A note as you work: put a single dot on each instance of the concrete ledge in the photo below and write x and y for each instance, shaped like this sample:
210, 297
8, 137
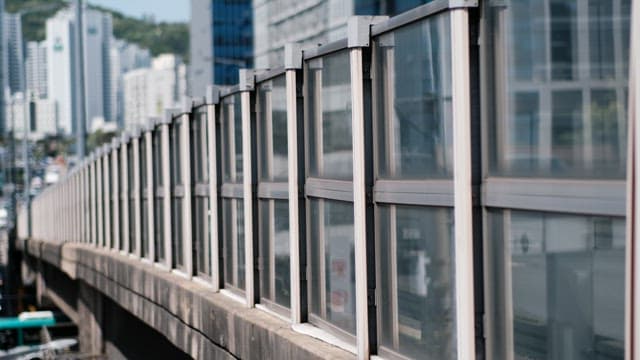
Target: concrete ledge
200, 322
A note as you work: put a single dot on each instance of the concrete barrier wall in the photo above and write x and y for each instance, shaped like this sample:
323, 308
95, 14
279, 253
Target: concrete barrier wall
200, 322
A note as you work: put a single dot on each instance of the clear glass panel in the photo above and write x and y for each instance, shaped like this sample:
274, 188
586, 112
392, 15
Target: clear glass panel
144, 214
558, 78
266, 249
158, 205
203, 249
159, 229
228, 239
558, 285
132, 206
174, 150
413, 101
328, 110
274, 251
176, 230
198, 143
233, 242
132, 227
273, 130
332, 263
157, 158
123, 199
417, 281
240, 244
232, 138
144, 210
113, 198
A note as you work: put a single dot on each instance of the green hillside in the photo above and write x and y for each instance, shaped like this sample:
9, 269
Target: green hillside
158, 37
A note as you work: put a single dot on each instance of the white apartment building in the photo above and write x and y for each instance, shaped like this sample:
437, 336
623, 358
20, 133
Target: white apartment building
46, 122
13, 56
125, 57
148, 91
308, 22
42, 120
62, 69
36, 68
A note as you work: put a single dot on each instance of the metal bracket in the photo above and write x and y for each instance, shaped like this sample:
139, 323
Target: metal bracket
213, 94
292, 56
247, 79
169, 114
453, 4
359, 30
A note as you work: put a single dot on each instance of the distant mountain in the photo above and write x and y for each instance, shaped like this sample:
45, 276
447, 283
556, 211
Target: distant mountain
160, 37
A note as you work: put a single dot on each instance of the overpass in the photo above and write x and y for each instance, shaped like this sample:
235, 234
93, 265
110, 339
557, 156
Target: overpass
429, 186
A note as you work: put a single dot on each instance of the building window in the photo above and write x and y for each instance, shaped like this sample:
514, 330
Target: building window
413, 144
275, 280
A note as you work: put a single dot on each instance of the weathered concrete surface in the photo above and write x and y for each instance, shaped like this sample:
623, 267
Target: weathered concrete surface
200, 322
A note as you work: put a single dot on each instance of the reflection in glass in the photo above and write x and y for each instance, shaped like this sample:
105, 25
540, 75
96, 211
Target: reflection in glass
328, 110
272, 117
558, 79
132, 193
176, 230
203, 251
231, 114
144, 203
274, 251
200, 176
122, 178
332, 262
158, 204
413, 92
416, 281
113, 198
233, 242
176, 201
558, 285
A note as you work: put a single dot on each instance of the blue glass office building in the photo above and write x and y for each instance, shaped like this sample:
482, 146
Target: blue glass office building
221, 33
385, 7
232, 39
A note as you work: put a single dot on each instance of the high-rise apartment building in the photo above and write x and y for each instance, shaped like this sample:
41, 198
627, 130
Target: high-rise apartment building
98, 35
221, 42
310, 22
62, 68
14, 55
149, 91
36, 68
125, 57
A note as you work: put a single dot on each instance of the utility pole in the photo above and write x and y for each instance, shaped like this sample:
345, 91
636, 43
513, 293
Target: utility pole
80, 92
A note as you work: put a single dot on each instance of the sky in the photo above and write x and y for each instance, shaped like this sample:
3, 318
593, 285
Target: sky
162, 10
